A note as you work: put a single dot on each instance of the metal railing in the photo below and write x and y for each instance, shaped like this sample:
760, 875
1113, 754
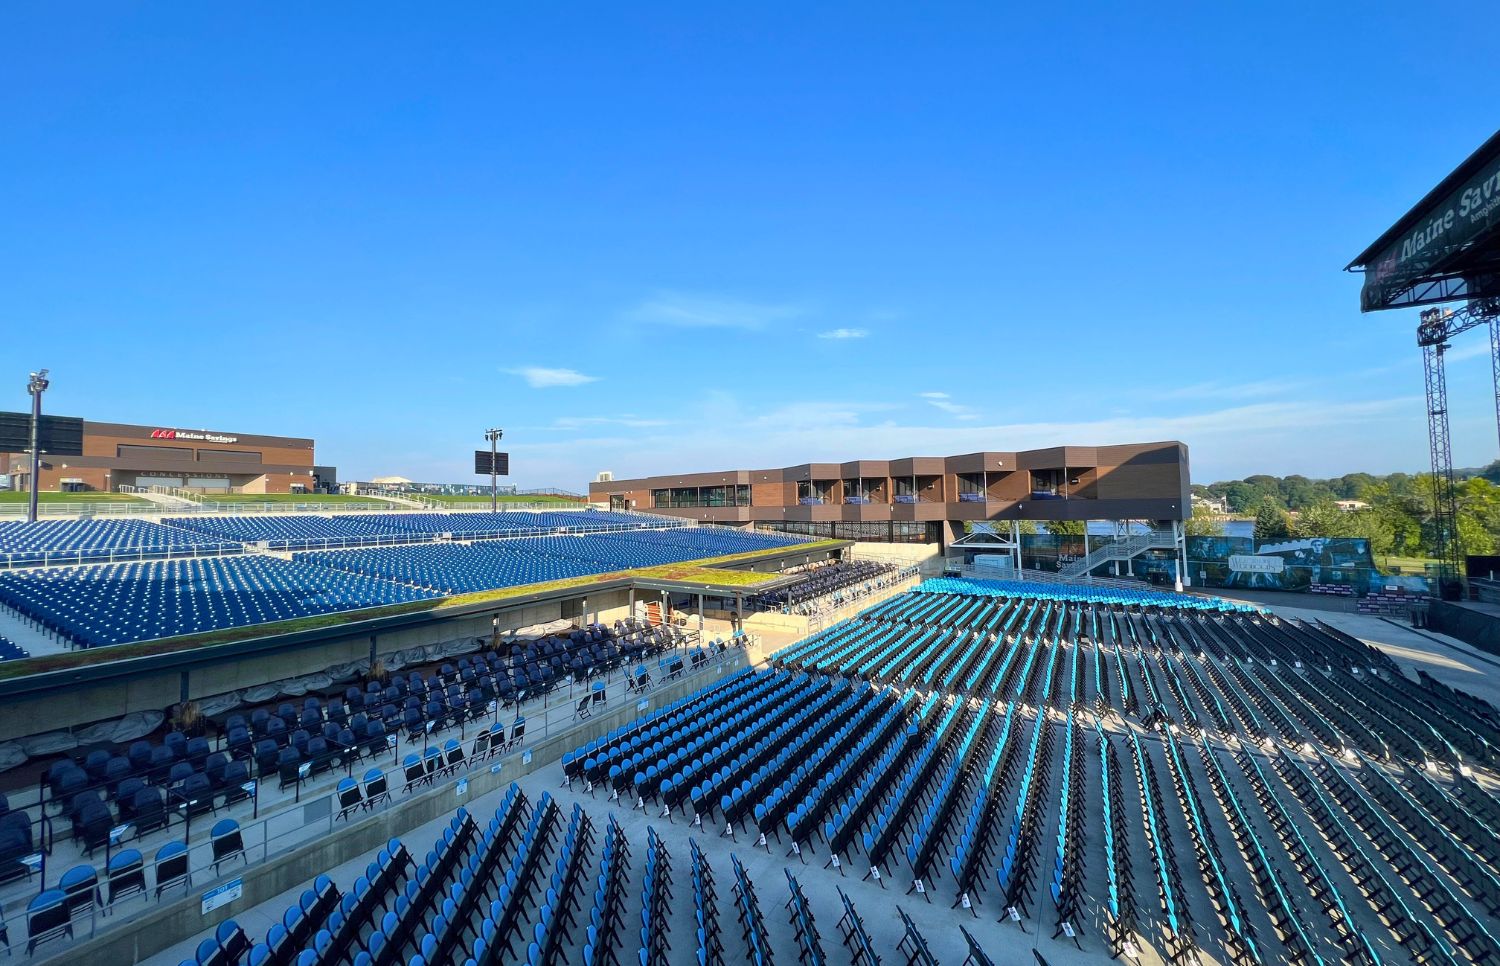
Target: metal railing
1121, 548
69, 558
300, 816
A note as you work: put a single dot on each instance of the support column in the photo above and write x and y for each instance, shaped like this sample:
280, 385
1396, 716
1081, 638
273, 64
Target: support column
700, 618
1187, 577
1495, 363
1088, 574
1015, 553
1176, 557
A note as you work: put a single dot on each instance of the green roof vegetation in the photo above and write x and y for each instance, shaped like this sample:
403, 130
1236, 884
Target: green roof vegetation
288, 498
465, 499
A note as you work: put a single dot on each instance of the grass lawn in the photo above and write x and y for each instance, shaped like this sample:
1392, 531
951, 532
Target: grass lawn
502, 498
286, 498
91, 496
1408, 565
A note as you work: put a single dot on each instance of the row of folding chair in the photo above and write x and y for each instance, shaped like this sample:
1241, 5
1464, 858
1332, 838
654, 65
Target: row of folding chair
1067, 864
805, 803
656, 899
504, 924
1120, 922
856, 937
904, 796
1239, 936
710, 948
1018, 855
913, 945
1413, 932
974, 844
809, 944
1299, 945
1425, 882
607, 914
944, 794
752, 924
423, 915
553, 929
1177, 931
1320, 886
858, 798
372, 894
818, 762
610, 753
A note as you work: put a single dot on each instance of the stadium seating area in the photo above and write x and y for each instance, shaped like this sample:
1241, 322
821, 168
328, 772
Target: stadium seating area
89, 606
456, 568
907, 743
11, 651
1216, 784
80, 541
286, 532
1118, 596
524, 885
469, 526
117, 603
154, 784
823, 586
488, 564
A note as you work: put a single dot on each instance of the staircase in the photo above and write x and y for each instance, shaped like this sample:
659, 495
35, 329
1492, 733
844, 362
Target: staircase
1122, 549
404, 502
165, 500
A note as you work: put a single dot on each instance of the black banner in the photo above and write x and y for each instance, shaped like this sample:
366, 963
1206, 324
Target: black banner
1469, 211
482, 463
58, 435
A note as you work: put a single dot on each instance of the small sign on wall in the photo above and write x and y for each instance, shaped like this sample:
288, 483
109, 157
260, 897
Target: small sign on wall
223, 895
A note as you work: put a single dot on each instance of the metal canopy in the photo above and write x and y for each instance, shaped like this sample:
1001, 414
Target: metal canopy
1446, 247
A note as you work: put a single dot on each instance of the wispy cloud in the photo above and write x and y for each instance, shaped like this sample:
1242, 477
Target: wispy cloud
844, 334
545, 377
628, 421
1258, 389
701, 312
943, 401
1473, 350
1315, 435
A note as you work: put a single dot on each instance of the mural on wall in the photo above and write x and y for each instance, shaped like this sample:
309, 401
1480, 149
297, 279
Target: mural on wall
1238, 562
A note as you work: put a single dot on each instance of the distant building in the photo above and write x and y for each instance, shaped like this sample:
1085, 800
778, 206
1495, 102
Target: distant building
121, 454
1349, 506
924, 499
1211, 504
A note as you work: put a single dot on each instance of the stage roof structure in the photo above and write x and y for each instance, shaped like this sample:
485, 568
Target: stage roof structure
1446, 247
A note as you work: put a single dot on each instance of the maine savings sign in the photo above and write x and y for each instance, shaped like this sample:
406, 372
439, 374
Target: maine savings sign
1469, 211
185, 434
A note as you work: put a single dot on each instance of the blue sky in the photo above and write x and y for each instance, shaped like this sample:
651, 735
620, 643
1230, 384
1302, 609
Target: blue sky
676, 237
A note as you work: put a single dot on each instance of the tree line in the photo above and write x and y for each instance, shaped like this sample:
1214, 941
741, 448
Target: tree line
1398, 519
